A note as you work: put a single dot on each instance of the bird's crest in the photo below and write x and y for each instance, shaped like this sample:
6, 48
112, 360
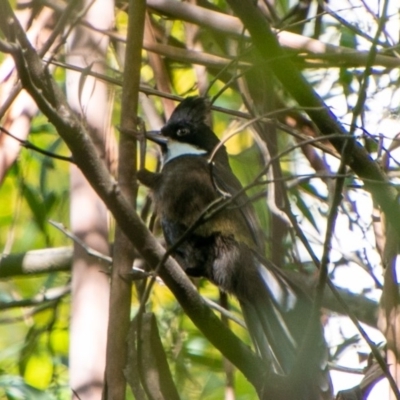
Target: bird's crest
193, 109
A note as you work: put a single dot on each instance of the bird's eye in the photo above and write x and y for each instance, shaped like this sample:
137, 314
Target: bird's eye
182, 131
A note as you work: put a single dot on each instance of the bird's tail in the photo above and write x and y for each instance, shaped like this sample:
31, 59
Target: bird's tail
277, 315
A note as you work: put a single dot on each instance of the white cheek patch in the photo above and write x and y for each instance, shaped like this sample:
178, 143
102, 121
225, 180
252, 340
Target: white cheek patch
177, 149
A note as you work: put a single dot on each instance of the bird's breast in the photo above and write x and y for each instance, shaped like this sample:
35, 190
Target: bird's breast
185, 189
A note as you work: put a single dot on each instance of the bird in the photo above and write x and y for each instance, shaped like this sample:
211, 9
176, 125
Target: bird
226, 246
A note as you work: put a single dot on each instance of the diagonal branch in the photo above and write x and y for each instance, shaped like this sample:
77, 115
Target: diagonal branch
50, 99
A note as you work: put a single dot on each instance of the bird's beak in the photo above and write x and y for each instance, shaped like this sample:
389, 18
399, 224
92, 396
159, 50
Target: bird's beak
157, 137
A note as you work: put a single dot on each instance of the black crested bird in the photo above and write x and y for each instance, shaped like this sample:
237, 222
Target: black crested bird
227, 248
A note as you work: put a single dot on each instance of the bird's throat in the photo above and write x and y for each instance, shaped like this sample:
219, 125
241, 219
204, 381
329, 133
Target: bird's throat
177, 149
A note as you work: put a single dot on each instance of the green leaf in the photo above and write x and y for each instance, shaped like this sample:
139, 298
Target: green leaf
305, 209
348, 38
15, 388
36, 205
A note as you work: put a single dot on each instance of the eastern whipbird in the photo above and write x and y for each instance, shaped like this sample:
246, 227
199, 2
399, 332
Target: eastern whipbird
227, 248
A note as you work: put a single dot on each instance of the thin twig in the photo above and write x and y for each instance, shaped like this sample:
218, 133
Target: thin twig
30, 312
28, 145
226, 313
53, 294
374, 349
372, 54
330, 229
76, 239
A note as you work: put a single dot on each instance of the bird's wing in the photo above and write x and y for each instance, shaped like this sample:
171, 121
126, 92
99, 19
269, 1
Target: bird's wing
277, 314
228, 185
280, 289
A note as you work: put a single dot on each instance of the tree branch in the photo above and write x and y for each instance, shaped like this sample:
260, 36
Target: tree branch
121, 288
38, 82
231, 25
33, 262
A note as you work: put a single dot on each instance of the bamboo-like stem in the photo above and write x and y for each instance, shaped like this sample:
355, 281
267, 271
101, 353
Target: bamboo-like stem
121, 287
